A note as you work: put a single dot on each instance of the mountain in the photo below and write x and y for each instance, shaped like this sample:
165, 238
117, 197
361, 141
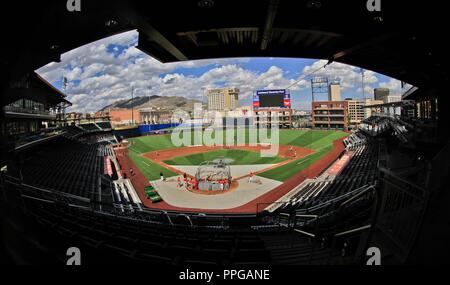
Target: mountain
155, 101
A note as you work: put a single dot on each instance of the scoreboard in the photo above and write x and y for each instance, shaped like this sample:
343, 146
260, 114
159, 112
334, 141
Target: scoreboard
280, 98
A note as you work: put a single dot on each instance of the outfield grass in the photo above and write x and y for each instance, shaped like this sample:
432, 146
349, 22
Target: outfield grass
303, 138
286, 171
150, 170
319, 140
150, 143
240, 157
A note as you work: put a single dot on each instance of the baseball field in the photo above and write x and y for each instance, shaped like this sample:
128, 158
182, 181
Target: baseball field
298, 150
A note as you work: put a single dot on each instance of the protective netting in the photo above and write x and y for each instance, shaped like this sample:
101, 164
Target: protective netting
213, 171
213, 175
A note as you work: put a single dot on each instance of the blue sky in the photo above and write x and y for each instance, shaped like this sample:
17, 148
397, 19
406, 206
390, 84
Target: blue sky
106, 70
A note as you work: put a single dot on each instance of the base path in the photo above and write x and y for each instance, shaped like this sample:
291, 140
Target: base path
283, 151
290, 153
245, 193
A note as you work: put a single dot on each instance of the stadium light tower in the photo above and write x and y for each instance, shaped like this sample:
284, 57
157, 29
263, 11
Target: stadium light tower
319, 85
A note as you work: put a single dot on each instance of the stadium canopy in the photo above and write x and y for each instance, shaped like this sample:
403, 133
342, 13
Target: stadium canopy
403, 103
397, 41
34, 87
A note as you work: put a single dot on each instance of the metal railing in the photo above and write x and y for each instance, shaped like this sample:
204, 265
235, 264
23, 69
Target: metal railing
438, 169
401, 212
356, 192
14, 109
22, 191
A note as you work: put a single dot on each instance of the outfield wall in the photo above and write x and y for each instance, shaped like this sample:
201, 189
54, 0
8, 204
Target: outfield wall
143, 129
126, 133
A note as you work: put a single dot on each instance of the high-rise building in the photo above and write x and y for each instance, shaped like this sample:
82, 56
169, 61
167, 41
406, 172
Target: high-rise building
223, 99
356, 112
381, 93
334, 91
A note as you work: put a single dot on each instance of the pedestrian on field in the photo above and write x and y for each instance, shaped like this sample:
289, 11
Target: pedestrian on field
195, 184
250, 177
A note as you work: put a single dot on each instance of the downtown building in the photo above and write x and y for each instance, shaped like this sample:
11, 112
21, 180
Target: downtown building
223, 99
331, 114
357, 112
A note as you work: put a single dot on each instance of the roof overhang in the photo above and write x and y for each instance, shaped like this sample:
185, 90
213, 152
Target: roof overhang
394, 42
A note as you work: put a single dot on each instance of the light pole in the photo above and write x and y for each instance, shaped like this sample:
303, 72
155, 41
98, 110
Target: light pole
149, 105
363, 86
132, 103
204, 97
132, 106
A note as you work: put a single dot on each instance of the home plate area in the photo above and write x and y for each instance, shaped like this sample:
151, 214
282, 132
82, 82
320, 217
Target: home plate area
218, 165
244, 193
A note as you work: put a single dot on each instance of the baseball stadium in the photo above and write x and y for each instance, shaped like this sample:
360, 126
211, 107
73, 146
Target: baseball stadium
343, 182
301, 155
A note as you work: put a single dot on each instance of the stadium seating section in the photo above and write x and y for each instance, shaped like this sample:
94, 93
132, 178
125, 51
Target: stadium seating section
67, 166
361, 171
118, 225
378, 125
90, 127
104, 125
72, 132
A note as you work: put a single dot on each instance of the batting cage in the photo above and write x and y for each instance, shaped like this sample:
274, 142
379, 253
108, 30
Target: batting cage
213, 175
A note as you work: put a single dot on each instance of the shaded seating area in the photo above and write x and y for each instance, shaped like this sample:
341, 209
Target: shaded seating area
125, 239
72, 132
104, 125
381, 124
68, 166
90, 127
354, 140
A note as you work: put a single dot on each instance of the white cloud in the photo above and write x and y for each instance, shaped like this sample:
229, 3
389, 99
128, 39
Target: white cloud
105, 71
104, 78
349, 76
395, 86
